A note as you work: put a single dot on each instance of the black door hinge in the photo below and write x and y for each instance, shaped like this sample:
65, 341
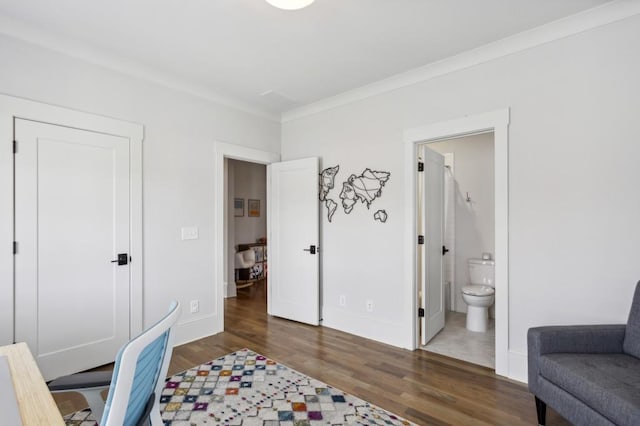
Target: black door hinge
15, 247
15, 146
420, 239
420, 166
420, 312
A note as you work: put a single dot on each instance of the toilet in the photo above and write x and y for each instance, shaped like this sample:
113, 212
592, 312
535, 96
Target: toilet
480, 294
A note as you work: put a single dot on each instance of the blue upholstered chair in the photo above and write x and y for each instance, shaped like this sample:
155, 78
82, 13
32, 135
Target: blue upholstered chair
136, 382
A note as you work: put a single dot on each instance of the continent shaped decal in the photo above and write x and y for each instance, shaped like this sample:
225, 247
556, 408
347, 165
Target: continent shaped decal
365, 187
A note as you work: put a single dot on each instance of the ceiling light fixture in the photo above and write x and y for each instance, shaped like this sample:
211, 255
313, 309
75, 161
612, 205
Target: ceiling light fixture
290, 4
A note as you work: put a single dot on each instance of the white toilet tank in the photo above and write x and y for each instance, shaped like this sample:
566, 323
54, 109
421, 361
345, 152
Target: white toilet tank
482, 272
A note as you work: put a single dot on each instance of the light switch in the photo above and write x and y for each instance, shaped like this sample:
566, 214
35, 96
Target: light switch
189, 233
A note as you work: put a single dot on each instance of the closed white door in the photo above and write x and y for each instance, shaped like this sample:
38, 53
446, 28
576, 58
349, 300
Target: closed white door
71, 222
293, 222
433, 226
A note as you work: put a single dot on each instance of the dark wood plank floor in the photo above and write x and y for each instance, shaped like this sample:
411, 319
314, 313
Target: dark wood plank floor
426, 388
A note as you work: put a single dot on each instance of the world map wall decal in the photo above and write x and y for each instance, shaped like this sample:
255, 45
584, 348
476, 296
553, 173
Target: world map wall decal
365, 187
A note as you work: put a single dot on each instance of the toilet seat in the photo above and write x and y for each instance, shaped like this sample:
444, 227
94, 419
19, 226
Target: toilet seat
478, 290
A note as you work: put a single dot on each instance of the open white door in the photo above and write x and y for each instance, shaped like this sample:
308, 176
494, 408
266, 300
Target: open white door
432, 224
292, 243
71, 221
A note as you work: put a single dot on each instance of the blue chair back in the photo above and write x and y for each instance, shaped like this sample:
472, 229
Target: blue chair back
139, 375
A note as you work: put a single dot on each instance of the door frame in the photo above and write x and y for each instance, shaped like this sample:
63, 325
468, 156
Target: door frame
498, 123
224, 150
12, 108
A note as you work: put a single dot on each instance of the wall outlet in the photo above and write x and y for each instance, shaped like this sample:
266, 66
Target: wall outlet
369, 305
342, 300
195, 306
189, 233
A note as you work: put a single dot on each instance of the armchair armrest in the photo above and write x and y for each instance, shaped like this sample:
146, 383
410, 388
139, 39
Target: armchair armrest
94, 379
571, 339
89, 384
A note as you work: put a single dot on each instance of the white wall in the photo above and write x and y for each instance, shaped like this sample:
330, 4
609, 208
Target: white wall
474, 220
178, 166
573, 177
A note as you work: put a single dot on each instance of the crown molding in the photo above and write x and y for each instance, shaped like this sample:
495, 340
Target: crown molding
565, 27
67, 46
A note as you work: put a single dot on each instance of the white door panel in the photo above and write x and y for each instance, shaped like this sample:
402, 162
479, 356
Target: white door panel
433, 225
72, 219
293, 227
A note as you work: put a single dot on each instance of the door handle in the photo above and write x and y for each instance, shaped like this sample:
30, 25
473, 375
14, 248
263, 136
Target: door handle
123, 259
444, 250
311, 249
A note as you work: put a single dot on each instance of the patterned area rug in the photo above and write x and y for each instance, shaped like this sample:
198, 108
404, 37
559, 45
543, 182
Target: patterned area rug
248, 389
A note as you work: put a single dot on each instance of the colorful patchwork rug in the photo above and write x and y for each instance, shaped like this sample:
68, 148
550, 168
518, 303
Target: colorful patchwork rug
249, 389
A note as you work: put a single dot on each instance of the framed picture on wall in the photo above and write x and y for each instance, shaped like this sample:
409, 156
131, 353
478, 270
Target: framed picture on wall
253, 207
238, 207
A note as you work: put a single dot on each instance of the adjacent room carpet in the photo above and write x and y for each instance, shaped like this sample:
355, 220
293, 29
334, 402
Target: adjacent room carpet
246, 388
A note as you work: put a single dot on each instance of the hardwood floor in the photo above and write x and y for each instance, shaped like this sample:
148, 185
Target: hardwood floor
426, 388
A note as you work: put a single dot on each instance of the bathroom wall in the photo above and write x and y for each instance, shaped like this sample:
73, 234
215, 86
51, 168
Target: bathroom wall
473, 167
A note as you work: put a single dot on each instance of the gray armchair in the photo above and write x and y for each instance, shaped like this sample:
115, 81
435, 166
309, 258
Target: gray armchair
589, 374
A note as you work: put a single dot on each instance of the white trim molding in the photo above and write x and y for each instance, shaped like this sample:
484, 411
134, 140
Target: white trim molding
565, 27
498, 123
13, 107
224, 150
70, 47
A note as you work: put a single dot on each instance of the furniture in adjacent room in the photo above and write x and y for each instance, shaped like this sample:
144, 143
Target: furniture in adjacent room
137, 380
34, 401
250, 264
589, 374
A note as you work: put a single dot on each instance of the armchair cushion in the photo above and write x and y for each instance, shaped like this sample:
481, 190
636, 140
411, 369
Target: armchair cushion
632, 335
608, 383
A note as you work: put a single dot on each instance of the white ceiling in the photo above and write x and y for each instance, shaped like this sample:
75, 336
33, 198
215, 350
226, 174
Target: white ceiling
238, 50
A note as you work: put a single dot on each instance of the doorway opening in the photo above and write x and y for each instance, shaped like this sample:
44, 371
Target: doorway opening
247, 232
292, 234
467, 231
224, 212
506, 363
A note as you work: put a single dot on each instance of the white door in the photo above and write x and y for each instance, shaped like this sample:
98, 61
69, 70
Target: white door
71, 221
293, 222
431, 255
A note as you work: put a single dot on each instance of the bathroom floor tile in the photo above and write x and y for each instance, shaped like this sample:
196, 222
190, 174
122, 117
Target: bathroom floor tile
456, 341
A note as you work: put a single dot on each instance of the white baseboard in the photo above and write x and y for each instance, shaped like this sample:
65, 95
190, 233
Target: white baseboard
189, 331
368, 327
518, 366
230, 290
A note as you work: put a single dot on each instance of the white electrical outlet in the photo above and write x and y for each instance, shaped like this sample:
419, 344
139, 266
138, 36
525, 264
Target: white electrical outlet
369, 305
342, 300
195, 306
189, 233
